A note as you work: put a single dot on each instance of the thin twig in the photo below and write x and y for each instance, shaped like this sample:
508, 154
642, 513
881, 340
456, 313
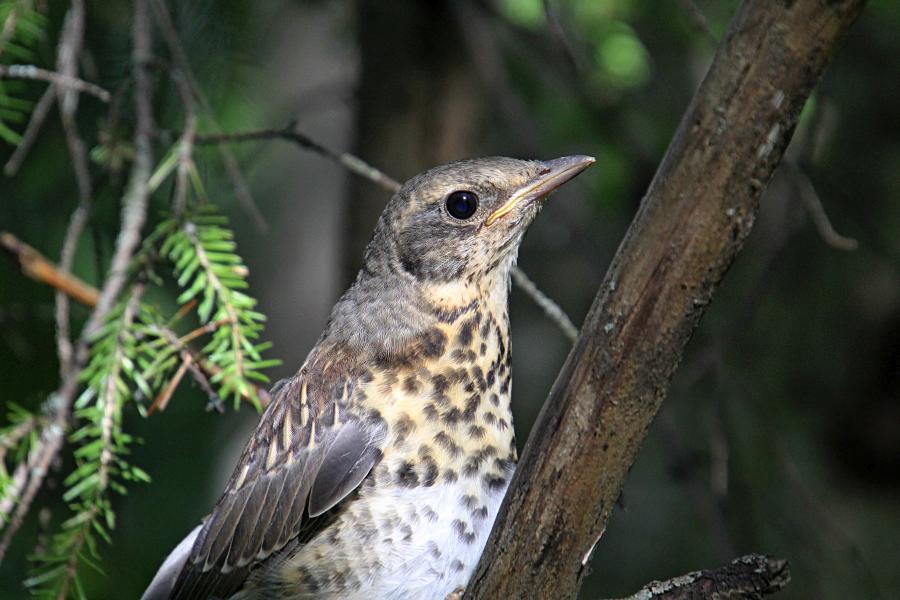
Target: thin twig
185, 145
37, 267
209, 370
134, 203
41, 269
170, 35
352, 163
162, 399
38, 116
77, 222
67, 63
486, 56
816, 210
68, 54
559, 32
202, 330
553, 311
58, 79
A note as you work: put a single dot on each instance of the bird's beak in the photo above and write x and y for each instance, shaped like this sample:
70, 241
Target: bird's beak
553, 174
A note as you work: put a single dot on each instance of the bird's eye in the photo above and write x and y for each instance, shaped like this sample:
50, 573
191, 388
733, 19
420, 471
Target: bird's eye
462, 205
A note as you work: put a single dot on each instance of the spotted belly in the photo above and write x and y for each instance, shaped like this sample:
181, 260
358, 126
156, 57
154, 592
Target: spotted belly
393, 543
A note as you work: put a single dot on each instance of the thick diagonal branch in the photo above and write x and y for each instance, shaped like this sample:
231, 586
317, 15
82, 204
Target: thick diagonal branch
691, 224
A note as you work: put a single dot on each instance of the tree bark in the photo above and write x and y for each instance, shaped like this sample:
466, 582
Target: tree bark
751, 576
692, 222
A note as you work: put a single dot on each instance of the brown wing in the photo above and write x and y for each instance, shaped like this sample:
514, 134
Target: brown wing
306, 455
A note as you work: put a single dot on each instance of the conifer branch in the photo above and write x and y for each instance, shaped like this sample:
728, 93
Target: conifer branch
100, 458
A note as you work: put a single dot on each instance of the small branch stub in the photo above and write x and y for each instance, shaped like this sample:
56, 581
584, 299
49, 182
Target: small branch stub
748, 577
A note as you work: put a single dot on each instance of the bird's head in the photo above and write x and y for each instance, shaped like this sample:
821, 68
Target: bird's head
461, 221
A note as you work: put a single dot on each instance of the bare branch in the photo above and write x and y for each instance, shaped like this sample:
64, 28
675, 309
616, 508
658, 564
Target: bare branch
185, 145
550, 308
691, 224
751, 576
134, 203
60, 80
170, 35
816, 210
206, 370
67, 62
559, 33
352, 163
77, 222
38, 116
37, 267
162, 399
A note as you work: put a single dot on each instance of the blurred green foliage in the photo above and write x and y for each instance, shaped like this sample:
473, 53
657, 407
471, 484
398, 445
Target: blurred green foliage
782, 430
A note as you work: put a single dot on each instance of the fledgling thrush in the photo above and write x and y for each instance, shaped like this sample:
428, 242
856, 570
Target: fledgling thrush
377, 470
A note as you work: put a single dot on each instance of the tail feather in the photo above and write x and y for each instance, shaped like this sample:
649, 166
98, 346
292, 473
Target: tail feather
164, 580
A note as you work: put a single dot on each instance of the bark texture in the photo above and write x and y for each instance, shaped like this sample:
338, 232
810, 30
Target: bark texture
692, 222
750, 577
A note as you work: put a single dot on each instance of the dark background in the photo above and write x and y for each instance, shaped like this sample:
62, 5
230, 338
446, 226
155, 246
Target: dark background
781, 433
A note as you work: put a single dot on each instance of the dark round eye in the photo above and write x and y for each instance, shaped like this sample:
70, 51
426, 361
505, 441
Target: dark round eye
462, 205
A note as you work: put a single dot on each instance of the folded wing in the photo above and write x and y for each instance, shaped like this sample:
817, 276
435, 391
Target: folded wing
307, 454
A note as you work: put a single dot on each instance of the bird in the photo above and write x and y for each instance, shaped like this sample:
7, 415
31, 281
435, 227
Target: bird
378, 469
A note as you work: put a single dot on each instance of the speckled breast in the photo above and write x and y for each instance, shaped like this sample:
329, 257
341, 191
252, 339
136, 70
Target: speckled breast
420, 520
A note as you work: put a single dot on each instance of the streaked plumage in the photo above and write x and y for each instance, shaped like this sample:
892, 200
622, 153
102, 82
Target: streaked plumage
378, 469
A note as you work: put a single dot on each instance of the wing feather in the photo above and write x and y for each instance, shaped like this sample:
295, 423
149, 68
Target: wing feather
289, 474
264, 520
345, 465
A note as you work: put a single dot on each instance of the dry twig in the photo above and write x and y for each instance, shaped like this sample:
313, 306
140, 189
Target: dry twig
134, 202
553, 311
185, 145
67, 63
352, 163
60, 80
39, 268
38, 116
170, 35
813, 204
